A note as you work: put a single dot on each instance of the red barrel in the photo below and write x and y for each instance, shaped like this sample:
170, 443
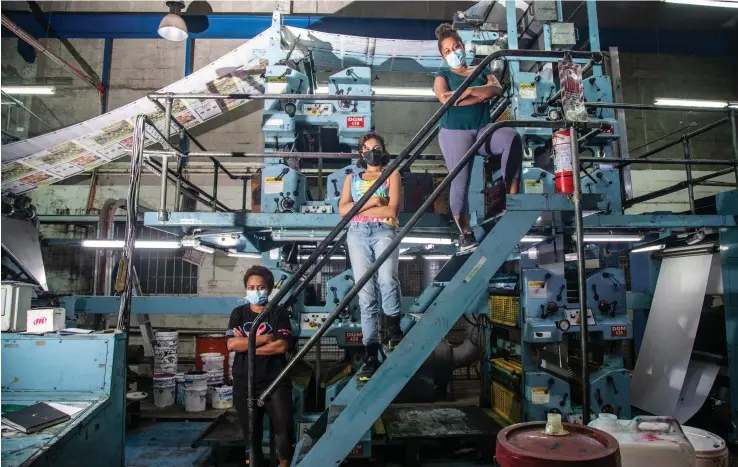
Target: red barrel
563, 165
211, 343
526, 445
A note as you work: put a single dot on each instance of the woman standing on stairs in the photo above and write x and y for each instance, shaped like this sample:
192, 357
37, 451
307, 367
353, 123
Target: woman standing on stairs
370, 232
464, 122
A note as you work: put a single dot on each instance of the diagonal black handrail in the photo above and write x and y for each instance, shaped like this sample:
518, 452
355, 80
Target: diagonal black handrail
428, 126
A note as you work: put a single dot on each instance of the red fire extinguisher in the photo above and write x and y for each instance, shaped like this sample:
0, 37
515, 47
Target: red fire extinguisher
564, 173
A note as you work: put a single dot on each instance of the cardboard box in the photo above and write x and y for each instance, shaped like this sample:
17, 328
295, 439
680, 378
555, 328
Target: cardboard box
45, 319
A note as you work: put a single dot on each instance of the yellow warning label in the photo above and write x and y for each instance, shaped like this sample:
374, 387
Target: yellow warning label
538, 284
527, 91
276, 79
540, 396
273, 185
533, 186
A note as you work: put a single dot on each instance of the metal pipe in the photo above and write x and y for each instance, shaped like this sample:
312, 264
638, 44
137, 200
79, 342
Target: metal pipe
421, 147
243, 194
581, 275
154, 165
717, 184
393, 165
688, 170
215, 188
359, 283
734, 136
30, 40
614, 160
180, 126
663, 137
592, 133
260, 155
689, 135
614, 105
177, 192
674, 188
315, 97
163, 213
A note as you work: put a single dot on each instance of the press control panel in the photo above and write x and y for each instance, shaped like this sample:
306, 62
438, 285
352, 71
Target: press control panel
312, 321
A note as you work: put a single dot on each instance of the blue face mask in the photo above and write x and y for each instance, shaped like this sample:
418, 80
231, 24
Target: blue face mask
257, 297
456, 58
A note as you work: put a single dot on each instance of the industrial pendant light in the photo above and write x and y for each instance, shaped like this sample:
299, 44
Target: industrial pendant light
172, 26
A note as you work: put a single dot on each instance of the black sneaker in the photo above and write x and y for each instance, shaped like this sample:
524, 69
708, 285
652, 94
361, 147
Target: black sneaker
468, 242
371, 364
394, 331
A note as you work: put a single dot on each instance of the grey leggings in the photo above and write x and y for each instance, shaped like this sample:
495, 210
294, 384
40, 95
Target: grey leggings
504, 142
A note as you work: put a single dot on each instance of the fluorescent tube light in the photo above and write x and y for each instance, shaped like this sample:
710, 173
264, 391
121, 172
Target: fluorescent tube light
142, 244
594, 238
28, 90
532, 239
427, 241
333, 258
648, 248
733, 105
718, 3
158, 244
437, 257
669, 102
406, 257
239, 254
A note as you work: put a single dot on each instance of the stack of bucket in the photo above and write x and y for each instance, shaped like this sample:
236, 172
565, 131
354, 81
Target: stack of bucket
165, 352
220, 395
195, 391
164, 387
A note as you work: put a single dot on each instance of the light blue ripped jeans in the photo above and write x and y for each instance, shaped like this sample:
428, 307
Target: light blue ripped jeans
366, 241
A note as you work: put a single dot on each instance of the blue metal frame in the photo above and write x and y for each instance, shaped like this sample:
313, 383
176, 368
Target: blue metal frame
105, 80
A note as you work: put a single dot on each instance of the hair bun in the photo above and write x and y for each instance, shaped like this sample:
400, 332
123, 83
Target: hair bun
444, 28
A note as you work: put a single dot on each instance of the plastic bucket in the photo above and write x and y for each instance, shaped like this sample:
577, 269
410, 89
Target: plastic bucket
221, 397
165, 351
711, 450
164, 386
209, 343
213, 362
215, 377
195, 399
196, 380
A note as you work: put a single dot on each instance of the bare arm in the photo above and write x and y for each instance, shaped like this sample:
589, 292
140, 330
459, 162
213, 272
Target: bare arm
476, 94
346, 202
440, 88
239, 343
277, 347
392, 208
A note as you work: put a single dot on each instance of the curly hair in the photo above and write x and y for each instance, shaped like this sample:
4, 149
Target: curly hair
367, 136
261, 271
443, 32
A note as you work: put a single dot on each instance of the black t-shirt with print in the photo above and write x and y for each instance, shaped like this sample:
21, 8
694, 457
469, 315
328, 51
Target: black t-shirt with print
267, 366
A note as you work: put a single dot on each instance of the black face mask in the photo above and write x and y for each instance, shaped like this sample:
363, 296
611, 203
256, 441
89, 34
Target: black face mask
373, 157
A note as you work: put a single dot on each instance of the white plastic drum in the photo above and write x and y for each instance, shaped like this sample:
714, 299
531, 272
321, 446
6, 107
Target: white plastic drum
164, 386
195, 399
710, 448
222, 397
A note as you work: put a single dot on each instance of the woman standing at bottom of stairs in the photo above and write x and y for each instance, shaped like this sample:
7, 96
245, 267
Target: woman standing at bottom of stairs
370, 232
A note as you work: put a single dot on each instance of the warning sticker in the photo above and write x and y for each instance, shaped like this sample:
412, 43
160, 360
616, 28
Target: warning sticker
273, 185
533, 186
527, 91
540, 396
537, 289
354, 122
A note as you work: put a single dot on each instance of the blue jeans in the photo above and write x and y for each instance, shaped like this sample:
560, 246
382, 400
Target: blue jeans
366, 241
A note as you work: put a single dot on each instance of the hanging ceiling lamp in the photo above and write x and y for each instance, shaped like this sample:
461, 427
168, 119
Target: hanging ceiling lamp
172, 26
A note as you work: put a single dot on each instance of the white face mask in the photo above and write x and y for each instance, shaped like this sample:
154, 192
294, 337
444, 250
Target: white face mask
456, 58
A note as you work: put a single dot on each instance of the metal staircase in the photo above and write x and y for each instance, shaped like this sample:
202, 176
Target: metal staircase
462, 292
